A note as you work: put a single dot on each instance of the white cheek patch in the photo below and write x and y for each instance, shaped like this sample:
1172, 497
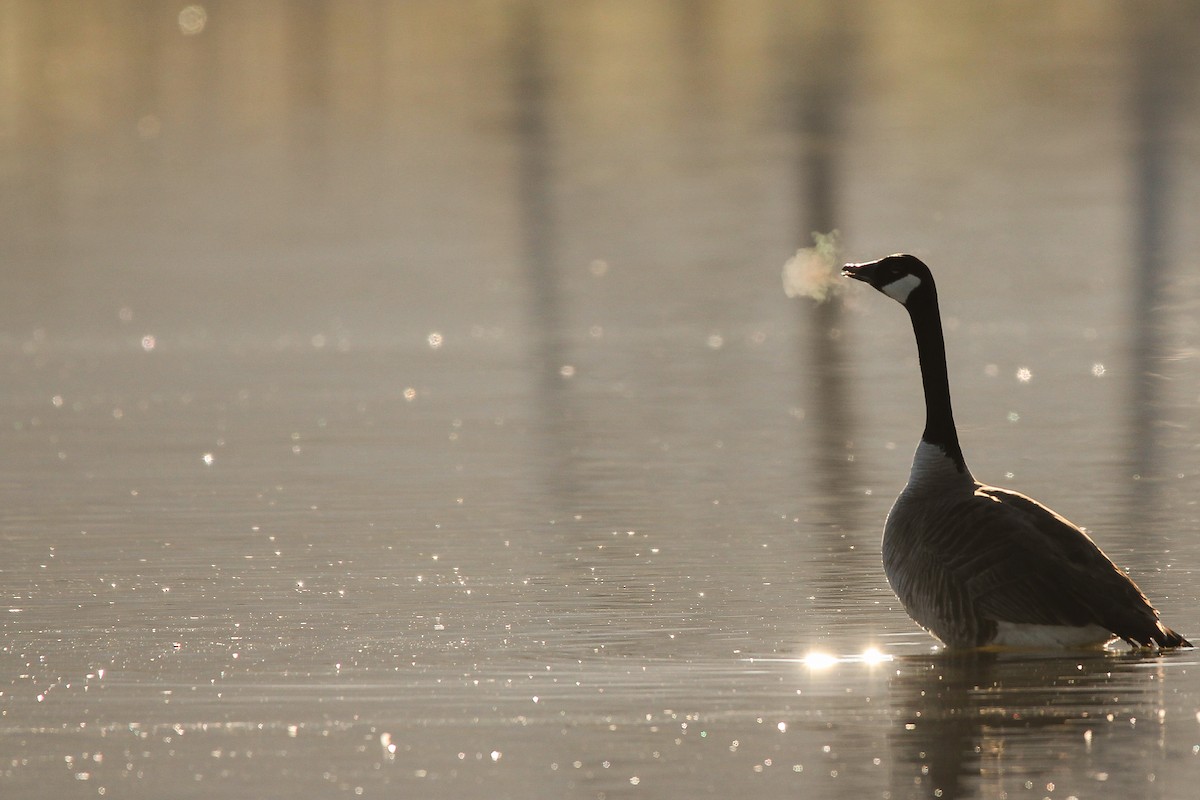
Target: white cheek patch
901, 288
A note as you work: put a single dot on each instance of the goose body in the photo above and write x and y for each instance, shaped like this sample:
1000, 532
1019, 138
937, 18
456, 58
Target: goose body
980, 566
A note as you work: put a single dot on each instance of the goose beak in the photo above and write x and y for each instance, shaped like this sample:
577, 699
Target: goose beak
860, 272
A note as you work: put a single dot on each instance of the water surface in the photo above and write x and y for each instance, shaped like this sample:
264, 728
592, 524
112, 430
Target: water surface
403, 399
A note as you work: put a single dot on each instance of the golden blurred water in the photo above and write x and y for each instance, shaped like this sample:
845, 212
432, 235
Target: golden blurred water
402, 398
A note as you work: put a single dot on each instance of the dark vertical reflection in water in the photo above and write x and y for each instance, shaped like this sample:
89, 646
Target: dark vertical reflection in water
1150, 108
816, 84
310, 95
1159, 44
934, 739
552, 416
961, 718
32, 248
697, 21
817, 89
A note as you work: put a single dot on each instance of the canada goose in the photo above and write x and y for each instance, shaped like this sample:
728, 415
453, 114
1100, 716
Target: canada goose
979, 566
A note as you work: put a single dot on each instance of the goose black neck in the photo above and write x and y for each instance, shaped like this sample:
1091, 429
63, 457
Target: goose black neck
931, 350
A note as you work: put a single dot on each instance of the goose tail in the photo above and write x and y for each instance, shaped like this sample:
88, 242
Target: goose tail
1165, 637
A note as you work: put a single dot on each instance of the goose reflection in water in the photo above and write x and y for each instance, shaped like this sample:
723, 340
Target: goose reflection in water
986, 724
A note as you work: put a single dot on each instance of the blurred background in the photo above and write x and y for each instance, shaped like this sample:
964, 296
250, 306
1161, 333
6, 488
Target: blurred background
400, 345
377, 169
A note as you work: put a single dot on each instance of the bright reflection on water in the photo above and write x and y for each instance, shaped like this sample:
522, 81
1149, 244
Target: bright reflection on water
401, 399
819, 660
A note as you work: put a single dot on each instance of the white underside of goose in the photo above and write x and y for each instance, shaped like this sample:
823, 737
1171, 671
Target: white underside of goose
1025, 635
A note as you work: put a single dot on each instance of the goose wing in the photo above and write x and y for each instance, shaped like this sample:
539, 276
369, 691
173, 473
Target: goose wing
1044, 570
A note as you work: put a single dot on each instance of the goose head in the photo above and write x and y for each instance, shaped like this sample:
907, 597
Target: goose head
900, 276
